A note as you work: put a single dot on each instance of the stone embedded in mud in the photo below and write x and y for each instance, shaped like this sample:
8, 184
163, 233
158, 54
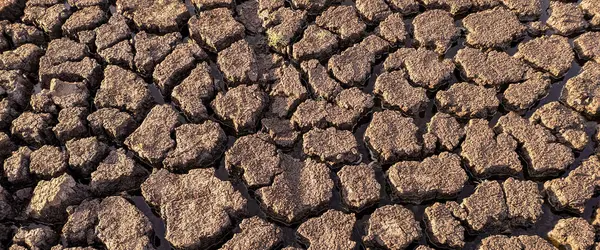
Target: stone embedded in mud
332, 230
344, 21
122, 226
488, 154
491, 68
519, 97
552, 54
359, 186
196, 206
396, 91
241, 106
203, 32
255, 233
392, 137
435, 29
51, 198
494, 28
118, 172
424, 67
487, 210
48, 162
580, 91
331, 145
124, 90
587, 46
437, 177
152, 139
110, 123
572, 233
465, 100
197, 146
196, 89
85, 154
392, 227
443, 227
302, 189
566, 18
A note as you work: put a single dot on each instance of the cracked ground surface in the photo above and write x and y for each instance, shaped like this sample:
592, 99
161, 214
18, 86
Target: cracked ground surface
299, 124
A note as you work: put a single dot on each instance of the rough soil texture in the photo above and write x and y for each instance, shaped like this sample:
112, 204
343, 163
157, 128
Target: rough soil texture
299, 124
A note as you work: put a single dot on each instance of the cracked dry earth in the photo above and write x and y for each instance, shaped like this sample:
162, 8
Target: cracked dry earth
299, 124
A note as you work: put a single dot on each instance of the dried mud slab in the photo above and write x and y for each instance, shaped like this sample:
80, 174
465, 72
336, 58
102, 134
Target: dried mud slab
566, 18
437, 177
241, 106
287, 91
331, 145
302, 189
26, 57
155, 16
133, 96
545, 156
16, 167
435, 29
194, 92
239, 63
111, 123
572, 233
392, 137
353, 65
491, 68
486, 208
392, 227
197, 146
343, 21
527, 10
373, 10
465, 100
85, 154
447, 131
515, 242
567, 124
255, 233
118, 172
552, 54
203, 32
393, 29
524, 201
122, 225
196, 206
494, 28
35, 129
177, 65
152, 139
71, 124
281, 131
315, 43
283, 25
395, 91
255, 158
359, 186
48, 162
51, 198
424, 67
443, 227
519, 97
587, 46
35, 236
331, 230
591, 8
319, 82
488, 154
572, 193
580, 91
